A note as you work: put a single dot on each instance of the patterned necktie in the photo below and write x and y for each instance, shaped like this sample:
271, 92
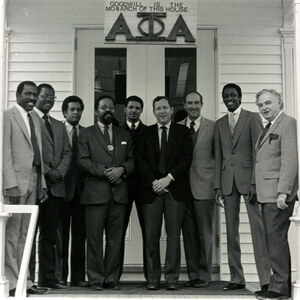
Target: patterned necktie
36, 150
231, 122
106, 135
163, 148
48, 126
74, 142
132, 127
264, 132
192, 129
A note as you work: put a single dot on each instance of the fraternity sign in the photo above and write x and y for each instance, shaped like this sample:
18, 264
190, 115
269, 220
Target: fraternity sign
149, 21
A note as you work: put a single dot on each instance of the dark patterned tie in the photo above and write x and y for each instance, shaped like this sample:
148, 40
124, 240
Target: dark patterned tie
163, 148
264, 132
132, 127
74, 142
36, 150
106, 135
48, 126
192, 129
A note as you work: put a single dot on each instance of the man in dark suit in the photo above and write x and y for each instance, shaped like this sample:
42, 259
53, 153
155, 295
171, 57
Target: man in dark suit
72, 212
57, 157
197, 227
23, 180
133, 108
276, 177
163, 155
235, 136
105, 153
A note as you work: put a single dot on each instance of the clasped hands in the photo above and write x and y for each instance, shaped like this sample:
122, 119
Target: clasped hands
114, 174
53, 176
159, 186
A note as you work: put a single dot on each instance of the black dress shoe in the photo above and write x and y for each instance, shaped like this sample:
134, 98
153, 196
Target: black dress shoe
62, 282
80, 283
112, 286
191, 283
152, 287
272, 295
264, 288
12, 292
172, 287
58, 286
201, 284
97, 287
38, 288
35, 291
233, 286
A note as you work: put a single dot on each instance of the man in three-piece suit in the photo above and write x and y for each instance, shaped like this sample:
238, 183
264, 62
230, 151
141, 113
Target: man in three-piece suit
133, 107
105, 153
72, 212
23, 180
235, 136
197, 227
57, 157
163, 155
276, 177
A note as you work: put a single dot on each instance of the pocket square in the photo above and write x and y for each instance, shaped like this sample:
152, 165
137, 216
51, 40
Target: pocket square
272, 137
123, 143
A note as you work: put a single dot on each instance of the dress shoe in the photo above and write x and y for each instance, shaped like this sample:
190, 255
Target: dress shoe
233, 286
152, 287
264, 288
35, 291
271, 295
191, 283
38, 288
62, 282
12, 292
172, 287
201, 284
58, 286
112, 286
80, 283
97, 287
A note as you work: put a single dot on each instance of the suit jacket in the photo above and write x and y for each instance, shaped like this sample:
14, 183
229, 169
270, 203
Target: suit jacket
57, 154
133, 179
94, 157
73, 179
178, 161
276, 168
234, 154
202, 169
18, 152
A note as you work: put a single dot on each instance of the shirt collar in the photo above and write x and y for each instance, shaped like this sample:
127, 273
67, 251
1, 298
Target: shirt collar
277, 117
189, 121
167, 125
102, 126
22, 111
40, 113
69, 127
130, 123
236, 112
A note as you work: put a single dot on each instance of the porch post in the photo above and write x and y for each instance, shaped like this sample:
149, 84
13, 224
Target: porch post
296, 218
4, 284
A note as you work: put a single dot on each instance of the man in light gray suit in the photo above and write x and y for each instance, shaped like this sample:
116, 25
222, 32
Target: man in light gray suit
235, 136
23, 180
198, 221
276, 177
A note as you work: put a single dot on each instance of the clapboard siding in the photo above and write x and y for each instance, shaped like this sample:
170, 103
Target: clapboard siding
248, 53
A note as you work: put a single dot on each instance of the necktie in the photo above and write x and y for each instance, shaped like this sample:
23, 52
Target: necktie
163, 148
192, 129
264, 132
74, 142
106, 135
48, 126
36, 151
132, 126
231, 122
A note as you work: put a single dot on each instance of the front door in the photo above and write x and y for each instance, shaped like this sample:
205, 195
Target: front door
146, 71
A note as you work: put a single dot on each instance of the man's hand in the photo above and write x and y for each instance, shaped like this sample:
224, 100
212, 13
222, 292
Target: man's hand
44, 196
53, 176
251, 196
281, 201
219, 198
113, 174
13, 195
159, 186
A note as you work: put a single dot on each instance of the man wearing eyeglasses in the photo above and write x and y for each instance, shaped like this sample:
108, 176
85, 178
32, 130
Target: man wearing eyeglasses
57, 156
235, 136
105, 154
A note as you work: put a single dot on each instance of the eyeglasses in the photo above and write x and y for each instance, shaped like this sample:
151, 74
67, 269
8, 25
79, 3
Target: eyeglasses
48, 97
106, 107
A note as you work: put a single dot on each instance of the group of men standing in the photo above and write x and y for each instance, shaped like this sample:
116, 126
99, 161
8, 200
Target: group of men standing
178, 172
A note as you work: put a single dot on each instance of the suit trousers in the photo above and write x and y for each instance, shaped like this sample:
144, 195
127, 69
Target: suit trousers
232, 216
277, 223
139, 209
173, 212
109, 217
73, 216
197, 231
48, 224
16, 233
